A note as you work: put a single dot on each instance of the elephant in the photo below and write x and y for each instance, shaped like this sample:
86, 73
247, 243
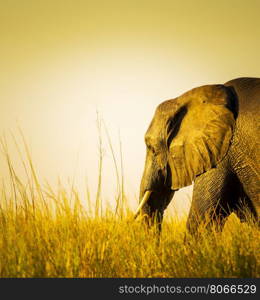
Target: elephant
209, 137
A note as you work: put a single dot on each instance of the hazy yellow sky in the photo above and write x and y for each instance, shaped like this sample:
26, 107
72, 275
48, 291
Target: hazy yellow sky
61, 61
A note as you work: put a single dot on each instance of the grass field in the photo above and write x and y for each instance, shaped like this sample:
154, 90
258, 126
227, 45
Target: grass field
51, 234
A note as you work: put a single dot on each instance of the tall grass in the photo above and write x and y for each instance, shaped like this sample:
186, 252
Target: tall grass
47, 232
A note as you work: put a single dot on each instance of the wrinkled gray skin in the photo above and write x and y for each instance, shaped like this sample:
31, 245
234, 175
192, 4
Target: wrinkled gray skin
230, 184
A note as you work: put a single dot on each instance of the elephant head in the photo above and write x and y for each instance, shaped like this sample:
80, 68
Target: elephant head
188, 135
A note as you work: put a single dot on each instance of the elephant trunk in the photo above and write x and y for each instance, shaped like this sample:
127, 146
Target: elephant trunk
155, 191
155, 195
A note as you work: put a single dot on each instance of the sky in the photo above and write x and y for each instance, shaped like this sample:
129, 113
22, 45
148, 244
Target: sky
61, 62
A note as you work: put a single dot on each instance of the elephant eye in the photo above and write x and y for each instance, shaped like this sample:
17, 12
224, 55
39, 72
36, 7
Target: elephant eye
151, 148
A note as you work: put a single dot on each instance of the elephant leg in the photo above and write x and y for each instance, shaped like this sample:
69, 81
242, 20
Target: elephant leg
250, 198
214, 195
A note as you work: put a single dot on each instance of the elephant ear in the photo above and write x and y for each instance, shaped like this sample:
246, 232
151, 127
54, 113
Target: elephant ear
199, 132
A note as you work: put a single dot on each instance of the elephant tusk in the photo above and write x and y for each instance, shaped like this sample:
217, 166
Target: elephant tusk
142, 203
